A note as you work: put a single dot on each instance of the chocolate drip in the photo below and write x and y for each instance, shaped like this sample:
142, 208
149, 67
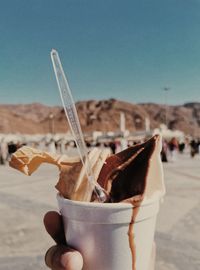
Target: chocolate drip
124, 176
136, 202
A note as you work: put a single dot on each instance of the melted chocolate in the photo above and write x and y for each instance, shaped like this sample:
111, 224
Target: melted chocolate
124, 177
135, 201
124, 174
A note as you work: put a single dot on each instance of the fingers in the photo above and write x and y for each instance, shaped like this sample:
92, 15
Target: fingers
63, 258
54, 226
60, 257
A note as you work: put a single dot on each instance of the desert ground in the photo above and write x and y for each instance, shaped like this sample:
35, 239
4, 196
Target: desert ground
25, 200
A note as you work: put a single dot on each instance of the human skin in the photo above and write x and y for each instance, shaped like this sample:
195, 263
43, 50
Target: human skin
60, 256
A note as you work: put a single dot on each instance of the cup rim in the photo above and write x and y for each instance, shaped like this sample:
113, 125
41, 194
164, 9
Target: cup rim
125, 205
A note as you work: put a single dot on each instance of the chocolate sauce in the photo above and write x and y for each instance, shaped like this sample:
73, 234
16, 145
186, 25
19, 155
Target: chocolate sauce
124, 176
131, 241
136, 202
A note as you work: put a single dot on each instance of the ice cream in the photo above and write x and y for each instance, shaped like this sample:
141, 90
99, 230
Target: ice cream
73, 183
128, 175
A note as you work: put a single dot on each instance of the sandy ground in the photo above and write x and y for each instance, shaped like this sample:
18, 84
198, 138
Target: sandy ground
25, 200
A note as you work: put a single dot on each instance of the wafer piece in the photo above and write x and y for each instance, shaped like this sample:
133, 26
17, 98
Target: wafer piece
73, 182
27, 159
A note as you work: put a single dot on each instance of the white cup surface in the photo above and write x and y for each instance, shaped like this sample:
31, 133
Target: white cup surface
101, 233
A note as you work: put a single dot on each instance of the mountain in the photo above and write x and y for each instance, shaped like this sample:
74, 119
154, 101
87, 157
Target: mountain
102, 115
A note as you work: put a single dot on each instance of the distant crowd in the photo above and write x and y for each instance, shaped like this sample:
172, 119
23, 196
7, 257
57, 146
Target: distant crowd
170, 148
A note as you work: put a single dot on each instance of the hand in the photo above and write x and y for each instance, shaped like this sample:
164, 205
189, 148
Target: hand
60, 256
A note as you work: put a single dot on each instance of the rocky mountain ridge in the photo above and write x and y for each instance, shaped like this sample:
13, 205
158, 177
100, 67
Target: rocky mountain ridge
101, 115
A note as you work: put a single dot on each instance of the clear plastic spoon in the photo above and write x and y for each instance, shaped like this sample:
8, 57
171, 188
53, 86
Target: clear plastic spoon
72, 116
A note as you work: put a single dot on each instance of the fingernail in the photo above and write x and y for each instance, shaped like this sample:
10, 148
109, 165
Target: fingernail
49, 255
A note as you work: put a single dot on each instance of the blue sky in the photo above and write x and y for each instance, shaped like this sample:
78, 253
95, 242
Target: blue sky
123, 49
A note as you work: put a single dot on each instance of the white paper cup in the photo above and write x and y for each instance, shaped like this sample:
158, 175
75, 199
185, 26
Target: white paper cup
100, 233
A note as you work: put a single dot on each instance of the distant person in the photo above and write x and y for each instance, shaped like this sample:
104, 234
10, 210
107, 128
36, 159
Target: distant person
3, 152
118, 146
198, 143
52, 146
124, 144
193, 148
12, 148
181, 147
164, 151
173, 148
112, 146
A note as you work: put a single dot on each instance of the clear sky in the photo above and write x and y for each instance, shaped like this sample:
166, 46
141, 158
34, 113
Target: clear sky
124, 49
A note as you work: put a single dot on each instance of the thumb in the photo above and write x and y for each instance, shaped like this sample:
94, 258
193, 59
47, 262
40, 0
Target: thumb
61, 257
